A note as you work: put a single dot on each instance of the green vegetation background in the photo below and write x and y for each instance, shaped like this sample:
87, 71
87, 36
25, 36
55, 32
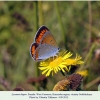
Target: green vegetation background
74, 24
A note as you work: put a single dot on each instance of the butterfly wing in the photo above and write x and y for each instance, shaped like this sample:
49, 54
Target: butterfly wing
44, 45
44, 36
45, 51
49, 39
40, 33
33, 49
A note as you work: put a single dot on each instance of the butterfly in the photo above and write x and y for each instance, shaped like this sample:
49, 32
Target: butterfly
44, 45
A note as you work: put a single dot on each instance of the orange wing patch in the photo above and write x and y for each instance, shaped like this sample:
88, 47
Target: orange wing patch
39, 37
33, 48
36, 55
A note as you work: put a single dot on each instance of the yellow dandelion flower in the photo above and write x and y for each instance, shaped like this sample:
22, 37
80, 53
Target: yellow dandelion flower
75, 61
83, 73
59, 63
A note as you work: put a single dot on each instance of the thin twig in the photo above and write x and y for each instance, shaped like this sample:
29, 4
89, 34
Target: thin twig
92, 82
90, 21
88, 58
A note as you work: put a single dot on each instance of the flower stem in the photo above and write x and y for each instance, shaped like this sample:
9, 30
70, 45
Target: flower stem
35, 29
40, 13
88, 58
60, 21
36, 16
90, 21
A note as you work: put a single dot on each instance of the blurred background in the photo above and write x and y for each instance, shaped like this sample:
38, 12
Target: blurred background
75, 26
